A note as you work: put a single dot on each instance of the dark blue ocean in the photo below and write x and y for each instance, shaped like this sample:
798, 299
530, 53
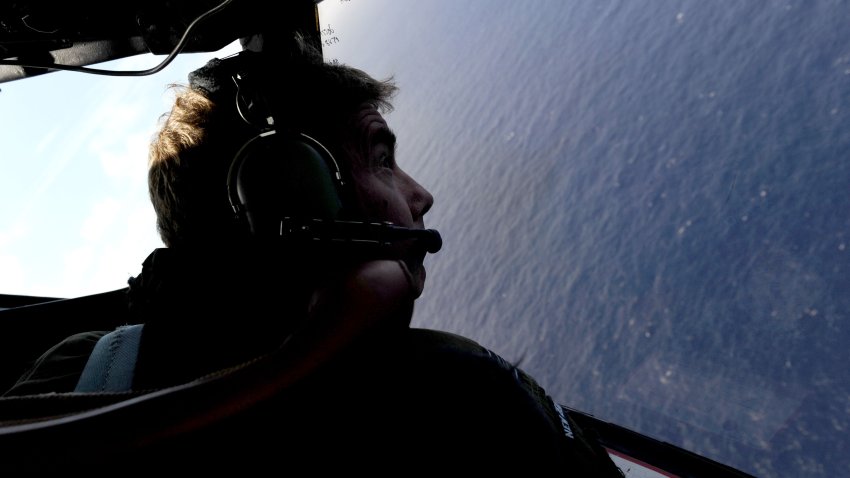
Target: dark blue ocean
646, 204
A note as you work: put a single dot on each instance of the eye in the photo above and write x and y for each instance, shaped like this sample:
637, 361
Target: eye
383, 157
385, 161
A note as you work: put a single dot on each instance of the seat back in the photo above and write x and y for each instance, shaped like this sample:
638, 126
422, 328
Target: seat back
28, 331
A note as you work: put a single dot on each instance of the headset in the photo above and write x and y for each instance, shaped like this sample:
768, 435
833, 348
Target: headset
287, 185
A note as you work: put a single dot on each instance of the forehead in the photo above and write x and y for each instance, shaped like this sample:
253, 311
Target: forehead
369, 120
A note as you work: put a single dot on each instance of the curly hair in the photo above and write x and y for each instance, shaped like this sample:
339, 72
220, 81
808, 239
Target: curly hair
191, 152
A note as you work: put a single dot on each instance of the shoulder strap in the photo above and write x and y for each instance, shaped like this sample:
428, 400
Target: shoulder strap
112, 363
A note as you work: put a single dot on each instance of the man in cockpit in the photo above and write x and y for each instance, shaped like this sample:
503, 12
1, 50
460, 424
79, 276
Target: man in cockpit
367, 391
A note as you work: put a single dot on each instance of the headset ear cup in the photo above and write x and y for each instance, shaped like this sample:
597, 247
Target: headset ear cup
275, 176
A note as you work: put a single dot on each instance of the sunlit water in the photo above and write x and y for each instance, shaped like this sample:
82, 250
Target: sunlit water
646, 204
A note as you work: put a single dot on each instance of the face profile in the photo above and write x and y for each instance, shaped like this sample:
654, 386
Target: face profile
385, 192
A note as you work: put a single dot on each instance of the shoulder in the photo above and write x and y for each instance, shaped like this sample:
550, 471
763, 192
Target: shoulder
463, 402
455, 354
478, 373
59, 368
498, 407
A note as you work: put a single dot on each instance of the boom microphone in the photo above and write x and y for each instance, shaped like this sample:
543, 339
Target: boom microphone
354, 232
430, 238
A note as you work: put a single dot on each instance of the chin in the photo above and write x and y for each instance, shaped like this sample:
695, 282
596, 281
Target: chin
419, 275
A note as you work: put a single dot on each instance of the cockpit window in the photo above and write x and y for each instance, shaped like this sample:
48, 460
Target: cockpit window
76, 218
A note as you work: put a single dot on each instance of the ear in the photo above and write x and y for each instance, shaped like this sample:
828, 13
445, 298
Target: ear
275, 176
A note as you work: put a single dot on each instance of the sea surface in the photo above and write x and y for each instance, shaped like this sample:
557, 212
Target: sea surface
644, 203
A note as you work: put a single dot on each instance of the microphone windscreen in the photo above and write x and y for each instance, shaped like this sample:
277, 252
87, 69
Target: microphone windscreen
432, 240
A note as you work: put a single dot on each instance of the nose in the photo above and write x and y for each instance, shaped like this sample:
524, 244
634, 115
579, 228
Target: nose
418, 199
